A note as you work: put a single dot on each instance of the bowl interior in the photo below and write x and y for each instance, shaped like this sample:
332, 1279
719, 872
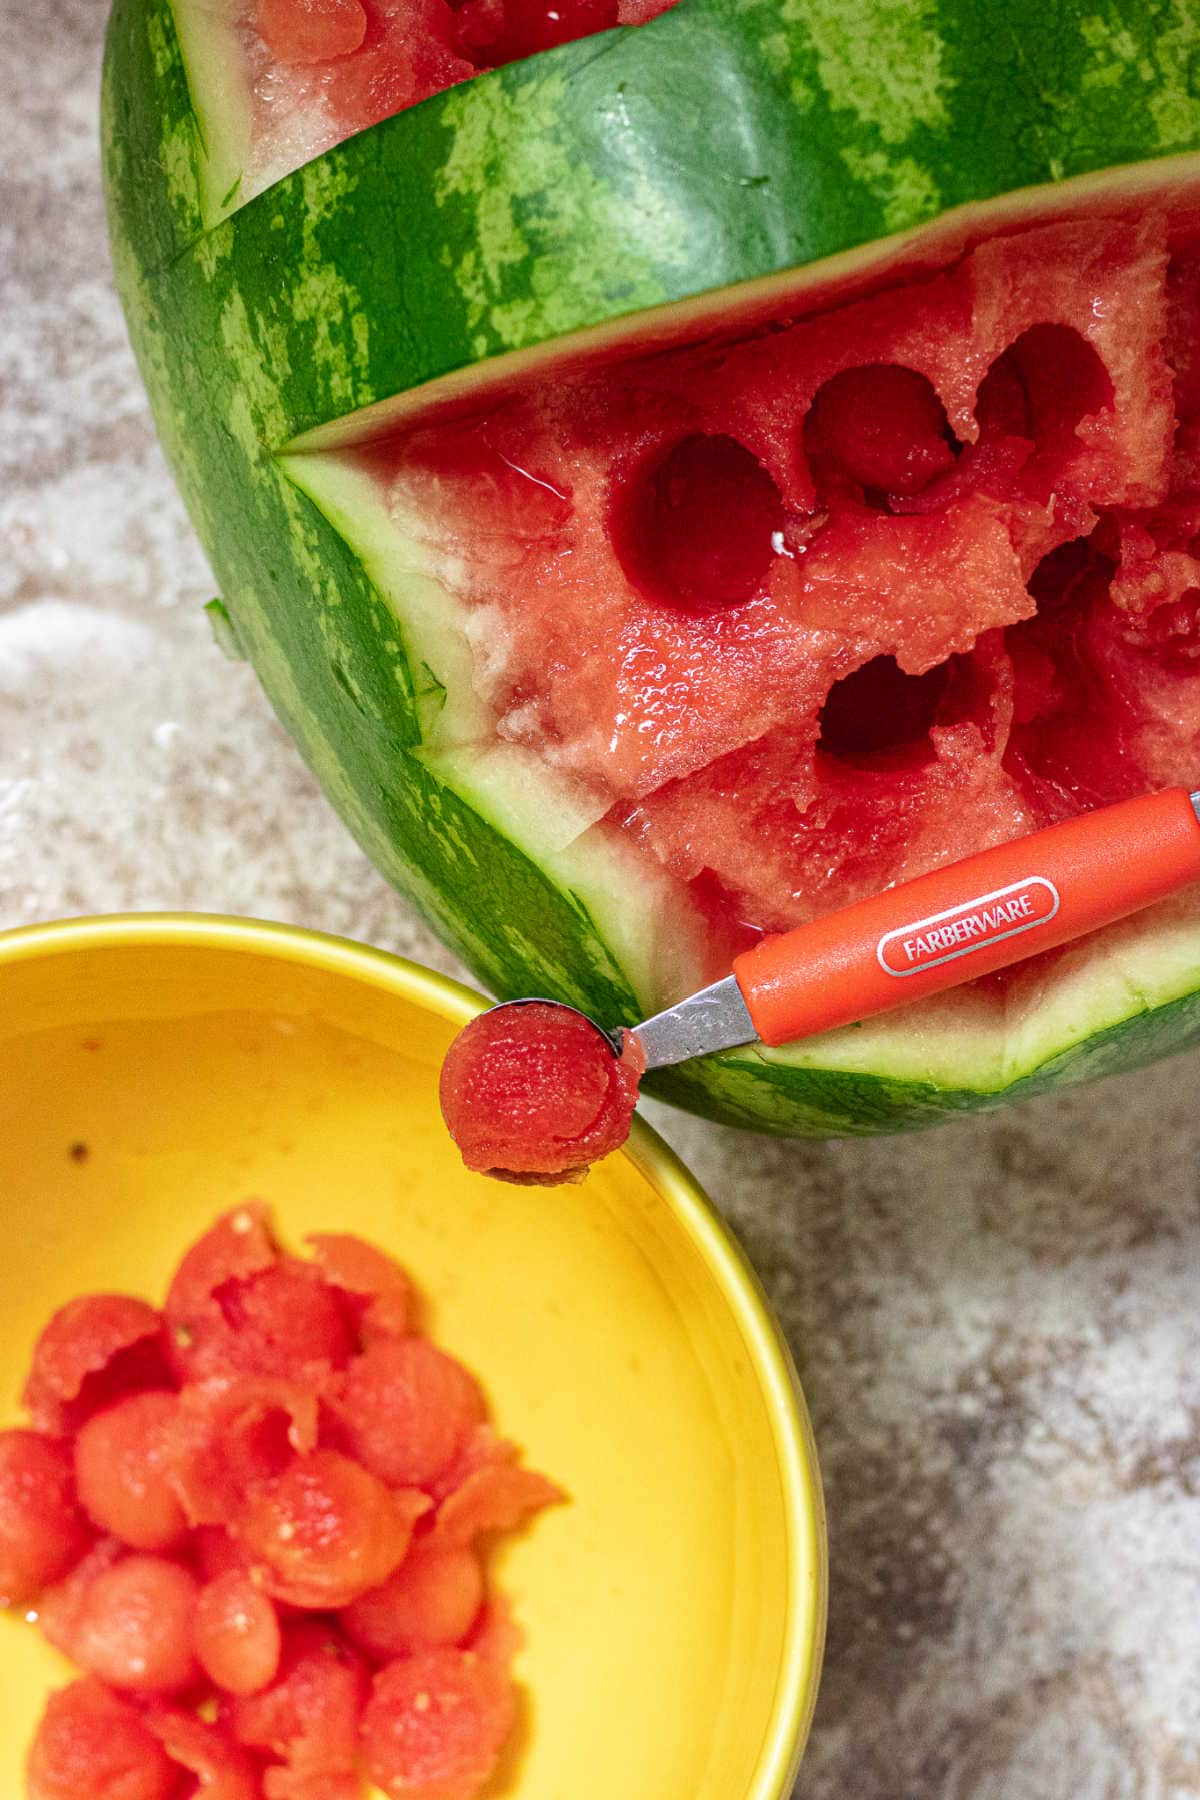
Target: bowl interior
673, 1610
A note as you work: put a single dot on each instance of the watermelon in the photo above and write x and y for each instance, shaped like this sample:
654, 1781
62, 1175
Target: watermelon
673, 481
229, 1534
535, 1094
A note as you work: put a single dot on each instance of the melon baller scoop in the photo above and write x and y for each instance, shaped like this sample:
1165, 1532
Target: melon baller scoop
968, 919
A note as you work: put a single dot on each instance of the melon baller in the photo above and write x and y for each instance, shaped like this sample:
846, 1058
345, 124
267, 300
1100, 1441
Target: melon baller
968, 919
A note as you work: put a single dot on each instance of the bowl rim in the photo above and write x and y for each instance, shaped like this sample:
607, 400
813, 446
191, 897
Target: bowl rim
808, 1564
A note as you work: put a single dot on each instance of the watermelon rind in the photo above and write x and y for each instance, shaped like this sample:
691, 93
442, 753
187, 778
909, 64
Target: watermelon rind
726, 163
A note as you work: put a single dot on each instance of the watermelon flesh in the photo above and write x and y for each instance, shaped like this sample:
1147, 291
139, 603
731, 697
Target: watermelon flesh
534, 1094
811, 612
321, 70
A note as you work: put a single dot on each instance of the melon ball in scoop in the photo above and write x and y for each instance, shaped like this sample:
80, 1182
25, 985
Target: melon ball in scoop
535, 1093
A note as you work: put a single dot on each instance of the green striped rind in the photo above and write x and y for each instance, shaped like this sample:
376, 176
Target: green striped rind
326, 645
718, 146
722, 143
153, 146
763, 1095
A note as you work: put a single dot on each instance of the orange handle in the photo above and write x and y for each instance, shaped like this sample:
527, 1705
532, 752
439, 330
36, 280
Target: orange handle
971, 917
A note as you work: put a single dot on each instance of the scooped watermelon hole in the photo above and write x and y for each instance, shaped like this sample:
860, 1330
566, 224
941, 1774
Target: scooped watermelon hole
1070, 739
880, 428
698, 527
1055, 581
1042, 386
880, 710
1045, 576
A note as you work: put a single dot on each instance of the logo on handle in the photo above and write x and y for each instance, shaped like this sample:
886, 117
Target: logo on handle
974, 925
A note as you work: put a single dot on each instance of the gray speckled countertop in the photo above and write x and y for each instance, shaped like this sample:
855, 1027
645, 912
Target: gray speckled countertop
997, 1324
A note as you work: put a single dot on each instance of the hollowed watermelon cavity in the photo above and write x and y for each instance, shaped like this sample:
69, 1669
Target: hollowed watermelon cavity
803, 614
671, 484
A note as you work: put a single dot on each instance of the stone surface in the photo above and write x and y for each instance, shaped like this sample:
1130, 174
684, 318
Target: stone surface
996, 1324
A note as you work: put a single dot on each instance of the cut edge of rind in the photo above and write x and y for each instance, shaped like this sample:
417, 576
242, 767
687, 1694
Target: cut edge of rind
747, 305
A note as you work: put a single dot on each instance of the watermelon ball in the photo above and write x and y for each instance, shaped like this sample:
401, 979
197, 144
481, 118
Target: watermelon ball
326, 1530
235, 1306
311, 31
534, 1093
62, 1606
432, 1599
237, 1636
435, 1724
42, 1530
309, 1714
91, 1746
92, 1350
123, 1468
239, 1431
281, 1320
238, 1246
136, 1625
407, 1411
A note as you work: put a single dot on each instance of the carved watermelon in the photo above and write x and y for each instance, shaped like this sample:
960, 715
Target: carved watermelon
680, 479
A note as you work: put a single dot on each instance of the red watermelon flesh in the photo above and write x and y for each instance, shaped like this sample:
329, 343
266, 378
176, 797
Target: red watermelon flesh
815, 611
321, 70
534, 1094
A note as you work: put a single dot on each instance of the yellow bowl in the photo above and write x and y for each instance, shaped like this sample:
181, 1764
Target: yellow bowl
674, 1611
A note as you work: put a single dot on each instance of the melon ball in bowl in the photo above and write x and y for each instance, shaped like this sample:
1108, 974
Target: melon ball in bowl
667, 1611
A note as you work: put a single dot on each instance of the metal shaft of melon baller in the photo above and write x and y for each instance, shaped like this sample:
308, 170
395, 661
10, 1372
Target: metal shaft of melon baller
941, 930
